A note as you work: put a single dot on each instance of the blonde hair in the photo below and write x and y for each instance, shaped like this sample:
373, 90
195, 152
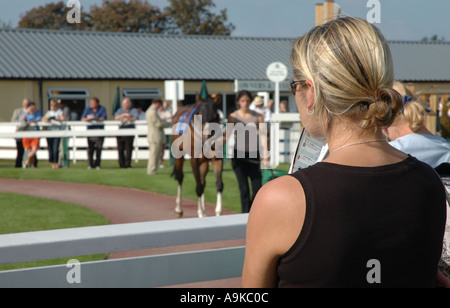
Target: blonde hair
401, 88
413, 113
54, 102
350, 65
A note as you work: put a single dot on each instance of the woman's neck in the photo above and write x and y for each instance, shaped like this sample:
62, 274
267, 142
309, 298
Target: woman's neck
345, 134
244, 111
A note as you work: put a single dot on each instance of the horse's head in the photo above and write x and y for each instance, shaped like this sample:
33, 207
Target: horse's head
209, 112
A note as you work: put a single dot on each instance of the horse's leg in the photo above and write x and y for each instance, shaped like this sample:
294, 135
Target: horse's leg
200, 169
178, 172
204, 167
217, 164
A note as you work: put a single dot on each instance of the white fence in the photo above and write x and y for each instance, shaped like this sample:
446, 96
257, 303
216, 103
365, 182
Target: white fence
76, 133
285, 133
141, 272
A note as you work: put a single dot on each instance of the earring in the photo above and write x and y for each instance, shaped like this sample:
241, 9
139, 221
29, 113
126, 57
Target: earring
310, 112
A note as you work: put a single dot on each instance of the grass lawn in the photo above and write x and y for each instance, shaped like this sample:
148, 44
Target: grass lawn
25, 214
28, 214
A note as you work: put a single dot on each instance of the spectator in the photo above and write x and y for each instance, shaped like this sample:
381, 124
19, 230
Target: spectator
55, 114
16, 118
30, 117
141, 114
258, 106
246, 161
445, 117
367, 204
156, 136
270, 103
165, 112
127, 115
409, 134
65, 109
284, 107
95, 114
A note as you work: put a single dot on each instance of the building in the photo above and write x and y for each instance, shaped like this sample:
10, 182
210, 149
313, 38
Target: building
74, 65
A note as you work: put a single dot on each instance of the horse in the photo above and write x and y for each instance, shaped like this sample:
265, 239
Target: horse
208, 110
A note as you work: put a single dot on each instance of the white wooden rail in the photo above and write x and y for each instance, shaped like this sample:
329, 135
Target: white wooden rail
283, 139
76, 132
152, 271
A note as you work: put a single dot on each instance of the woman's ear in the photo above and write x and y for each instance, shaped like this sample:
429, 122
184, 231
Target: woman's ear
310, 95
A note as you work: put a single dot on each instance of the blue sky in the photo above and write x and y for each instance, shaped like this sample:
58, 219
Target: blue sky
400, 19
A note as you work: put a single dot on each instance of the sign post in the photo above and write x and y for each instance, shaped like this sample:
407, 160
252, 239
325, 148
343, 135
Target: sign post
277, 72
174, 91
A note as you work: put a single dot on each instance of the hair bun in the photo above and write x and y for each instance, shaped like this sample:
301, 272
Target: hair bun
383, 109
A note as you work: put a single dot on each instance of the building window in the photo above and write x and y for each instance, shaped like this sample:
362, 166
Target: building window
142, 97
74, 98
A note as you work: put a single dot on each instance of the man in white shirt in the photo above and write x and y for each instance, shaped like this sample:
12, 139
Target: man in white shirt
15, 118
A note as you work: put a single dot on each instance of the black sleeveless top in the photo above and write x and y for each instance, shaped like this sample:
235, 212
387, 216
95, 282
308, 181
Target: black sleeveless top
367, 227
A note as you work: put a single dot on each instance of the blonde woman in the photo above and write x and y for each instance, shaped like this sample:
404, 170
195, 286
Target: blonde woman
369, 215
409, 134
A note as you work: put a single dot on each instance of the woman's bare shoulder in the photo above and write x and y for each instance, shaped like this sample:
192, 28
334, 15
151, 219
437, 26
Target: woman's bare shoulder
280, 207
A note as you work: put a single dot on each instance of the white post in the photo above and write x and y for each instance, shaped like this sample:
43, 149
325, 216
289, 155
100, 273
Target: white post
136, 148
174, 91
277, 98
74, 150
175, 99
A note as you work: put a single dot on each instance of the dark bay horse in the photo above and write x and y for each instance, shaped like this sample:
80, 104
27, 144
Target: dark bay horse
187, 132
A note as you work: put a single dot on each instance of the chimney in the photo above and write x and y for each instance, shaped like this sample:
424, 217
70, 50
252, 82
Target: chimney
329, 11
319, 14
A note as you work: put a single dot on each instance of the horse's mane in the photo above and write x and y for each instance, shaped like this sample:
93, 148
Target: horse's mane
207, 109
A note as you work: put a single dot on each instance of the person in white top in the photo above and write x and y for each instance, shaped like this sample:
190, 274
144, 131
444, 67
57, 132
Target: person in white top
409, 134
15, 118
258, 106
55, 115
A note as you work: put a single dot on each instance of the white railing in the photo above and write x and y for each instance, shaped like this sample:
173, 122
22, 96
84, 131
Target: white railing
285, 133
142, 272
76, 133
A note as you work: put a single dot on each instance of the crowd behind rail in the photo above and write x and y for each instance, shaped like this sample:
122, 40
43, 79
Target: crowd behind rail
94, 116
408, 133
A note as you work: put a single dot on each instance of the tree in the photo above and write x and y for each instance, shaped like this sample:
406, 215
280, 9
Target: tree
132, 16
195, 17
434, 38
183, 16
52, 16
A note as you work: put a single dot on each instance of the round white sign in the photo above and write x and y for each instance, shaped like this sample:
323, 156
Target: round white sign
277, 72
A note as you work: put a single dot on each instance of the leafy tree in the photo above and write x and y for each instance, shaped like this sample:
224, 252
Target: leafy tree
131, 16
195, 17
434, 38
52, 16
182, 16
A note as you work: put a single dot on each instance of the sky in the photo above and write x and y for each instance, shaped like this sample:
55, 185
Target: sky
400, 19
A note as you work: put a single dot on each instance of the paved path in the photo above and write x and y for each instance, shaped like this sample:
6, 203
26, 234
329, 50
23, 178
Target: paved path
120, 206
